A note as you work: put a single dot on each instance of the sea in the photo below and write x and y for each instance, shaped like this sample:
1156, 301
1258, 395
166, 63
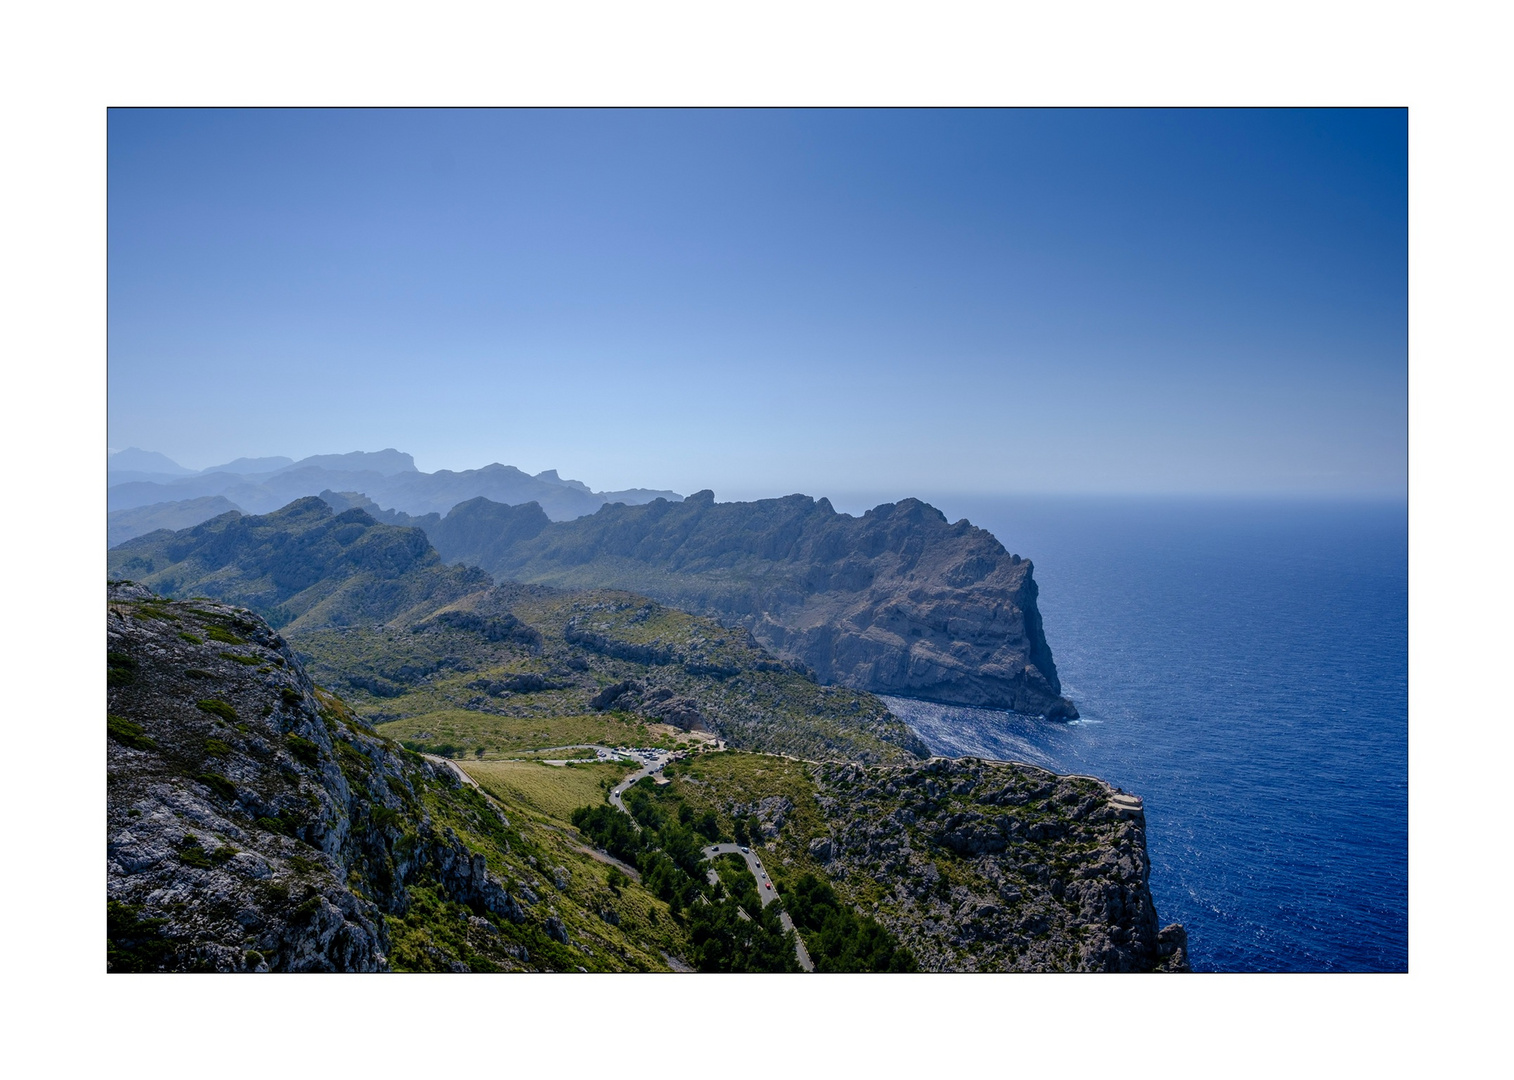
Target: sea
1242, 666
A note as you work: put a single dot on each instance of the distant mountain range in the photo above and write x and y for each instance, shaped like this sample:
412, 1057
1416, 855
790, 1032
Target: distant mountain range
123, 525
146, 490
898, 601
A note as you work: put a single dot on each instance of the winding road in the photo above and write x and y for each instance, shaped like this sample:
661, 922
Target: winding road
655, 765
765, 892
753, 863
655, 762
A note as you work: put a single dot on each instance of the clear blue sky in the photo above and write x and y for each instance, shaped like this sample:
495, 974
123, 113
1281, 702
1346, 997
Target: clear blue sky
1186, 301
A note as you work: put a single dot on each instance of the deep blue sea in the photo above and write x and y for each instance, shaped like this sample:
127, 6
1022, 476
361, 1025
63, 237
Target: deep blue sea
1243, 666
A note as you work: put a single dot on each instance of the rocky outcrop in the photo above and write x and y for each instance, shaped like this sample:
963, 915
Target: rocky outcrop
253, 824
993, 866
898, 601
658, 702
300, 566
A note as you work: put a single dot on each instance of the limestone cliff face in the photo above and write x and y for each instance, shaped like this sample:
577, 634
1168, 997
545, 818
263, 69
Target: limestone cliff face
253, 824
898, 601
995, 866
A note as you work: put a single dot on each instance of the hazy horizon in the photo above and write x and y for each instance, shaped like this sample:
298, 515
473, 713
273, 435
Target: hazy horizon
1167, 303
856, 502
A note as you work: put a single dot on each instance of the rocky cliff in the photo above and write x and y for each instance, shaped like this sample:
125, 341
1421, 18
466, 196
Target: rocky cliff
972, 865
254, 824
898, 601
993, 866
300, 566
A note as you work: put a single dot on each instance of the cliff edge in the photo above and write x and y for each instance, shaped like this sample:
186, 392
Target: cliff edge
898, 601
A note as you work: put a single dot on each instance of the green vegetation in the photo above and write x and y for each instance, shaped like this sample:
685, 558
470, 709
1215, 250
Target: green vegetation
154, 609
133, 943
610, 921
185, 635
219, 784
712, 782
725, 941
217, 707
304, 750
128, 733
728, 928
837, 938
120, 669
554, 791
509, 736
411, 640
601, 917
287, 823
300, 565
192, 853
737, 879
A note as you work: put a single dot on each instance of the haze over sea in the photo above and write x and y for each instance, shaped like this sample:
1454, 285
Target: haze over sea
1243, 666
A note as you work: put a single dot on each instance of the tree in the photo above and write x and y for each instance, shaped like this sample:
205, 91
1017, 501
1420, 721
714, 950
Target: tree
708, 826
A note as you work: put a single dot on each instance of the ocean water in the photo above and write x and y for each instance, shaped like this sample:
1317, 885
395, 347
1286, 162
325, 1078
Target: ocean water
1244, 668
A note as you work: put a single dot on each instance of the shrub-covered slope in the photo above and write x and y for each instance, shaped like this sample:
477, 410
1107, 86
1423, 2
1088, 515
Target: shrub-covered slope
253, 823
380, 617
482, 673
300, 566
971, 865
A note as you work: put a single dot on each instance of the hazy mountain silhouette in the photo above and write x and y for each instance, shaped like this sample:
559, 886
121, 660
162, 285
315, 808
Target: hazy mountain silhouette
388, 478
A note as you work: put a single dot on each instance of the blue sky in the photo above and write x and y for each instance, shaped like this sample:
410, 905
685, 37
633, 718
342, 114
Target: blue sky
983, 302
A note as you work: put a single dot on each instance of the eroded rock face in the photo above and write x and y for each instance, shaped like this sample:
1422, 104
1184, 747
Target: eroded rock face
993, 866
657, 702
252, 824
898, 601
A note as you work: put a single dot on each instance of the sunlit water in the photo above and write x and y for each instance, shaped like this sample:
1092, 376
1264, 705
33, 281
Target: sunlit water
1243, 667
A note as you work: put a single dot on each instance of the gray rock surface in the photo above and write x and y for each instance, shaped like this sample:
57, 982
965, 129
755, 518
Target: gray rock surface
252, 823
993, 866
898, 601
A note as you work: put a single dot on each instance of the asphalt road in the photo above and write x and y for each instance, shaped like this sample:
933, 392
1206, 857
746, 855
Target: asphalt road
655, 765
765, 891
765, 888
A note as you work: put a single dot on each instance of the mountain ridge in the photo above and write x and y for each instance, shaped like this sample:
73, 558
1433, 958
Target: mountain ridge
388, 477
895, 601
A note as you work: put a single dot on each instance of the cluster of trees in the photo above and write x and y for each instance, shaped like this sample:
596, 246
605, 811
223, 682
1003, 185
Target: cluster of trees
728, 936
837, 938
665, 849
727, 925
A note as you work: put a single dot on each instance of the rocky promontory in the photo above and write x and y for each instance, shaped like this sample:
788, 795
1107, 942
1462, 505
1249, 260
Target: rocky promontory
997, 866
898, 601
971, 865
